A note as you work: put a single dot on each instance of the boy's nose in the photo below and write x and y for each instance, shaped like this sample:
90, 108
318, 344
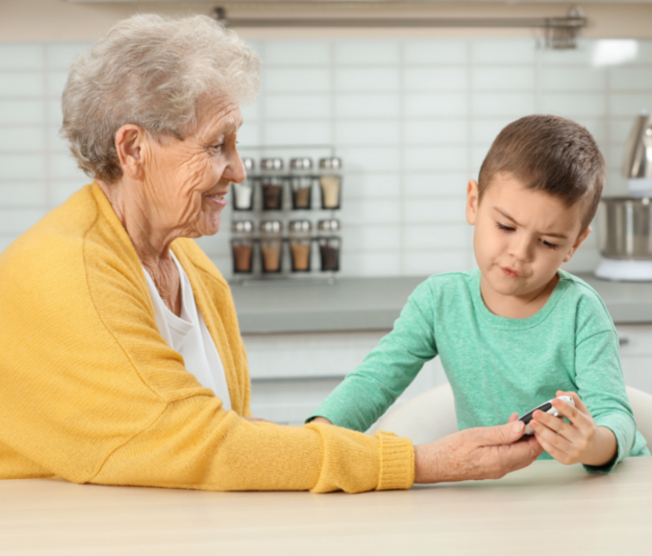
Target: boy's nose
521, 248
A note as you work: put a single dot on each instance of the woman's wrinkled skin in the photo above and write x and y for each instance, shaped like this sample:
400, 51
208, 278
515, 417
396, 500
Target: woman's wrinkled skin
172, 188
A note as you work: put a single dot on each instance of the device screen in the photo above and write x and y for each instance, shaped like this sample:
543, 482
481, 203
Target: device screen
528, 416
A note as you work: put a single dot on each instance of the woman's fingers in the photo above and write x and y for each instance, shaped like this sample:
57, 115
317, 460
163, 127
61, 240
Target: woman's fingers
513, 417
480, 453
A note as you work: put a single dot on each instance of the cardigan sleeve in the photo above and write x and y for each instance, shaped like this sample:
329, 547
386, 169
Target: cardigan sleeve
90, 391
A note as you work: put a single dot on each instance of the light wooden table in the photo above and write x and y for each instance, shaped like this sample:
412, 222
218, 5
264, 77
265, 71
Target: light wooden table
545, 509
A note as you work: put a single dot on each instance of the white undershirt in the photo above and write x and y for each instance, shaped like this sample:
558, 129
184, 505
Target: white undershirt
189, 336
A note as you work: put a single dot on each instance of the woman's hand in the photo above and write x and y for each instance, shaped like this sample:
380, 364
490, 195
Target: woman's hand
579, 441
480, 453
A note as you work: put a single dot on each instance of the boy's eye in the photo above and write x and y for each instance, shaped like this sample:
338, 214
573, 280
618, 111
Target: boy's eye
549, 245
504, 228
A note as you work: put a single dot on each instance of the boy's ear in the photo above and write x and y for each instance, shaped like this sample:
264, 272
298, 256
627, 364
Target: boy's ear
471, 201
579, 242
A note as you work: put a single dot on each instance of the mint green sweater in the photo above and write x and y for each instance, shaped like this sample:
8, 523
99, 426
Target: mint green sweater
495, 365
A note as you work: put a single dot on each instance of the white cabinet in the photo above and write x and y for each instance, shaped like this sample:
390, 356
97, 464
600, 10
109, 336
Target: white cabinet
636, 355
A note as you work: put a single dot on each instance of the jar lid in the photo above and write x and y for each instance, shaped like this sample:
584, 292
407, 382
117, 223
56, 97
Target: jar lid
242, 226
333, 163
300, 164
300, 226
271, 164
249, 164
271, 226
331, 225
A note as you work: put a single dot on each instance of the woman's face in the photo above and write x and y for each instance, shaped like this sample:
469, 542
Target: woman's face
185, 182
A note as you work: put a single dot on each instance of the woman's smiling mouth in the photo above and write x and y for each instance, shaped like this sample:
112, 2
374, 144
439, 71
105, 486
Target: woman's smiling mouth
217, 198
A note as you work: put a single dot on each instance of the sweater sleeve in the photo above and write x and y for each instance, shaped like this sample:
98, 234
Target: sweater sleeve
368, 391
91, 393
600, 381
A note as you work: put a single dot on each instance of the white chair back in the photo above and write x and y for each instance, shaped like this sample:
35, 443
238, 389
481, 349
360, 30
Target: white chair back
641, 404
425, 418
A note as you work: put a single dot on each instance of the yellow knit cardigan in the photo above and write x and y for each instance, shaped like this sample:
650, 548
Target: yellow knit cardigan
90, 391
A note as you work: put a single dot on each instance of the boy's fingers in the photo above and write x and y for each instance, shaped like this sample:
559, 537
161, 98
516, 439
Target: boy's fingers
579, 404
557, 425
550, 437
552, 450
579, 416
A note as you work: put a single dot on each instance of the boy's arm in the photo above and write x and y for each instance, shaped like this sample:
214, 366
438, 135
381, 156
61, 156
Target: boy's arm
601, 386
600, 381
368, 391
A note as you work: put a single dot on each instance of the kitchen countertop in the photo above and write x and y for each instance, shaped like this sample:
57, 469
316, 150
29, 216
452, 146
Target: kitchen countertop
313, 305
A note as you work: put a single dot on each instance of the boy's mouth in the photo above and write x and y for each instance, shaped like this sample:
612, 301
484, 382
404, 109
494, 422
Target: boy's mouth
511, 272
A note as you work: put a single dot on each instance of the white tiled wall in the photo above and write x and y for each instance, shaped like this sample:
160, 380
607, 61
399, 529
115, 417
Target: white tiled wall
411, 119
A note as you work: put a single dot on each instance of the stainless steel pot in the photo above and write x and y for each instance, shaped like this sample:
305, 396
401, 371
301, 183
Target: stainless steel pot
624, 228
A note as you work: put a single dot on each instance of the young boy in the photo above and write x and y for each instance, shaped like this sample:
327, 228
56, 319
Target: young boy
517, 331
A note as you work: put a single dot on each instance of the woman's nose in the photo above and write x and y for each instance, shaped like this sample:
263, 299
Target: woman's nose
235, 171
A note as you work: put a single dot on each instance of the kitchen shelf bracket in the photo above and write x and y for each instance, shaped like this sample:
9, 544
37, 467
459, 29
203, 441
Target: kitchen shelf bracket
561, 32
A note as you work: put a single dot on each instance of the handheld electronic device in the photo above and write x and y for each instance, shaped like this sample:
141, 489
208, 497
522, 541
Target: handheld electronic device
546, 407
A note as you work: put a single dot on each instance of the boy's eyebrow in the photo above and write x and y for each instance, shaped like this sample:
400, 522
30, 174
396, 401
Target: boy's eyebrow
551, 234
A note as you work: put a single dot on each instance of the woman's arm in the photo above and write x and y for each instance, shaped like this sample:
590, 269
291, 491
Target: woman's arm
92, 393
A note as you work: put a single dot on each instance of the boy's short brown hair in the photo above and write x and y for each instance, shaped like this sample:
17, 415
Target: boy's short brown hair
550, 154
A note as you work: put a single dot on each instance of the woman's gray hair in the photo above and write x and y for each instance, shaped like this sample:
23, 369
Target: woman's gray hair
151, 71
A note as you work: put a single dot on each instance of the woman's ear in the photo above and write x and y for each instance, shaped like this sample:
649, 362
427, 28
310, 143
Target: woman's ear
129, 142
471, 201
579, 242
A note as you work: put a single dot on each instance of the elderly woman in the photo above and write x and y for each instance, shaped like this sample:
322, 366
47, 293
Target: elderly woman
120, 353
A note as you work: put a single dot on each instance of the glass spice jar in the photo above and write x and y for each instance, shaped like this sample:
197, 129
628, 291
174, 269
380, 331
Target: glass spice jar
242, 243
271, 245
243, 193
330, 182
301, 183
300, 243
272, 183
329, 244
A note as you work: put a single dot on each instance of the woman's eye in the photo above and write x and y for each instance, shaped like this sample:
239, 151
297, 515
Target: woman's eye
504, 228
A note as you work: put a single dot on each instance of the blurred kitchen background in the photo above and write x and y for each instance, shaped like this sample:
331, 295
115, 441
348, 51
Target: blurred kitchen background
411, 113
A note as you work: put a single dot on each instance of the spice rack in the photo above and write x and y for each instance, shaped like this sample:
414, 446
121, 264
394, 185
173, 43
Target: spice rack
285, 221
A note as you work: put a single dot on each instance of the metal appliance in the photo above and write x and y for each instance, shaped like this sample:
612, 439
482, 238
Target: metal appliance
625, 222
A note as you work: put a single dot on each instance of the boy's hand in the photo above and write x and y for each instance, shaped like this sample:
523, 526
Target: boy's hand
579, 441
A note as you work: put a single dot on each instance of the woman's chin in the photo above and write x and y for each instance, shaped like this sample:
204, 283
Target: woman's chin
209, 225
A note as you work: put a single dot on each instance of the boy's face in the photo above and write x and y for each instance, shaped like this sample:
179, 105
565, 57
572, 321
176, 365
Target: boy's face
521, 237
